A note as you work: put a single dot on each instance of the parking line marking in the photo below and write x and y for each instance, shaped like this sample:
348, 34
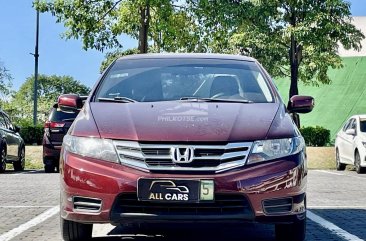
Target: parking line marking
336, 207
31, 223
332, 227
25, 206
339, 174
102, 230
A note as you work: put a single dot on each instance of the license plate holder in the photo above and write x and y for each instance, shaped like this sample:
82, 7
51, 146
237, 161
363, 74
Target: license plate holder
175, 190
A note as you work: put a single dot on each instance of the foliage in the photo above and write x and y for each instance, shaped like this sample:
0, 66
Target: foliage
49, 88
100, 23
31, 134
112, 56
315, 136
297, 39
5, 81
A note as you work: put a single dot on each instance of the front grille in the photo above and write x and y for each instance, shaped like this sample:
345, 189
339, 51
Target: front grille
276, 206
86, 204
156, 157
224, 204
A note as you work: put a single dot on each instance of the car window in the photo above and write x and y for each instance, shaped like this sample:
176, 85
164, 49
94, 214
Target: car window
2, 122
58, 115
171, 79
8, 123
363, 125
346, 126
354, 124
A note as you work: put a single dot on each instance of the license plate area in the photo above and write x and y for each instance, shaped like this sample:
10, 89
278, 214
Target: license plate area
175, 190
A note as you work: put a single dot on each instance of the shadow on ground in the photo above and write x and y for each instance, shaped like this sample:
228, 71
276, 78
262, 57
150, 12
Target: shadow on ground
194, 232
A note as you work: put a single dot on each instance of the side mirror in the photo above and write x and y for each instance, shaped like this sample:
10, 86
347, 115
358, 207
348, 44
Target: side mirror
351, 132
17, 129
69, 102
301, 104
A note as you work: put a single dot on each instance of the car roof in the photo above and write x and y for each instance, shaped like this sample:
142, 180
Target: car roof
188, 56
362, 116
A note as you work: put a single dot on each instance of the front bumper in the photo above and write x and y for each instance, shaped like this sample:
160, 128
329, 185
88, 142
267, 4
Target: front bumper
275, 180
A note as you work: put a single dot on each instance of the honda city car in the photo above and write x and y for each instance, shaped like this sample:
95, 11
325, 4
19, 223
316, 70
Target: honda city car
172, 138
350, 144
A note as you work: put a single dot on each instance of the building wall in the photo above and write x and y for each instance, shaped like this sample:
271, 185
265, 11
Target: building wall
360, 23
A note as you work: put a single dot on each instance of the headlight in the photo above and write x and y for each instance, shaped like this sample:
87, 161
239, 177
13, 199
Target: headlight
272, 149
102, 149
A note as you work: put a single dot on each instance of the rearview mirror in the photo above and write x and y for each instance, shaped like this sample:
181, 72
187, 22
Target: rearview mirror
70, 102
351, 132
301, 104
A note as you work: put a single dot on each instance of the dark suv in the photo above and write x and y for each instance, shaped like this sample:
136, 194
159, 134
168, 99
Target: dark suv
55, 128
172, 138
12, 148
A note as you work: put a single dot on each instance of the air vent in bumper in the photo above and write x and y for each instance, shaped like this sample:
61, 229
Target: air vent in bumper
277, 206
86, 204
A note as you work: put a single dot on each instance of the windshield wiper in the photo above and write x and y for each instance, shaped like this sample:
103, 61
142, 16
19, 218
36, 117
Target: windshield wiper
118, 99
216, 100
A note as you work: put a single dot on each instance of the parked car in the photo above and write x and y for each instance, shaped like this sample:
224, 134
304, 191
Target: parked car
12, 148
184, 137
55, 128
350, 144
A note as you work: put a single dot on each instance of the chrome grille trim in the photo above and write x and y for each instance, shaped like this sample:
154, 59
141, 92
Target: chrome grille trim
156, 157
86, 204
277, 206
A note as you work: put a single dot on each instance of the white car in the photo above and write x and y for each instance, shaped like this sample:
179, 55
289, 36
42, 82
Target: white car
350, 144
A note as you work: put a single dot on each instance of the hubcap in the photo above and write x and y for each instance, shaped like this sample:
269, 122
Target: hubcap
357, 164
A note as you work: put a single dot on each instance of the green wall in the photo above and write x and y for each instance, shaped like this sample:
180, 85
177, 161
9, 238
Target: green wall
334, 103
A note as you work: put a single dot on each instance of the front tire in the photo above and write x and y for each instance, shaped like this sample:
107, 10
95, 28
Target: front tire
49, 168
359, 169
73, 231
291, 232
20, 164
340, 166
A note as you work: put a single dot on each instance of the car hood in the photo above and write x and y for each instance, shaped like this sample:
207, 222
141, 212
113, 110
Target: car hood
185, 121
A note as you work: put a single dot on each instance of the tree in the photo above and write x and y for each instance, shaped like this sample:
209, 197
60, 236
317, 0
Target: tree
112, 56
99, 23
5, 81
298, 39
49, 88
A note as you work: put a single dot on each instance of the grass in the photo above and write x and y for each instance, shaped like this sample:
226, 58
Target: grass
336, 102
321, 157
33, 158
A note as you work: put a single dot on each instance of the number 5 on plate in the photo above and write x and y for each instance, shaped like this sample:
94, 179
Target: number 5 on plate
207, 190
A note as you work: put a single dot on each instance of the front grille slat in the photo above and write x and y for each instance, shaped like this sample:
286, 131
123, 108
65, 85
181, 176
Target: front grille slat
158, 157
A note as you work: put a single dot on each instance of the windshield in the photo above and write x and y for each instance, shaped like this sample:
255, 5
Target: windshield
150, 80
58, 115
